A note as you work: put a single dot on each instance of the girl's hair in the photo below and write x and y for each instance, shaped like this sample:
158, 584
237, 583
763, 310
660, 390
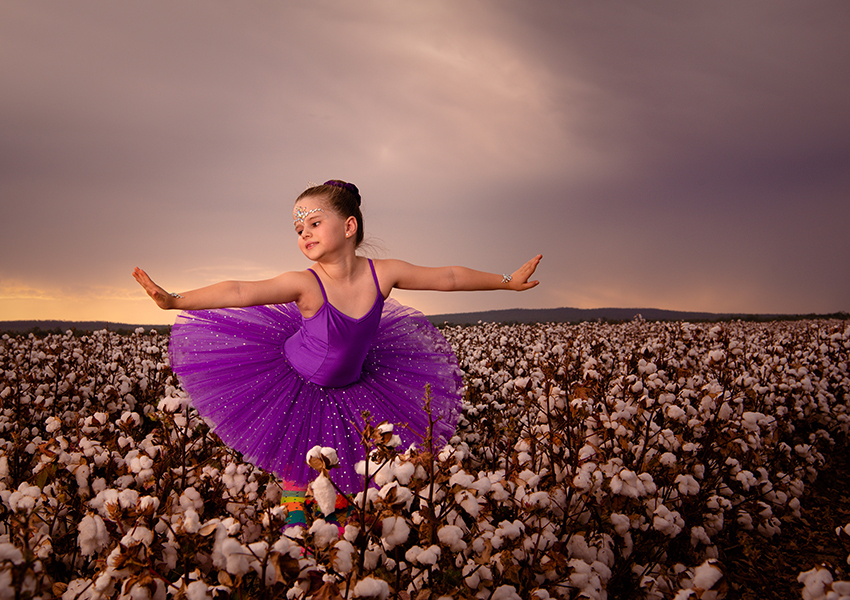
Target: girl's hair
343, 198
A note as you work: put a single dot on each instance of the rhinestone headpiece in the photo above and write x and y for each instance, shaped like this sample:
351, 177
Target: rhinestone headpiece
301, 213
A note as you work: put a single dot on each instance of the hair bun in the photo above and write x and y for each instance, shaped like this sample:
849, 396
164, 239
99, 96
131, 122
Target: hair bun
349, 187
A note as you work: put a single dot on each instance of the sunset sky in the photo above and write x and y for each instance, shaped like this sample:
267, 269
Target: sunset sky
664, 154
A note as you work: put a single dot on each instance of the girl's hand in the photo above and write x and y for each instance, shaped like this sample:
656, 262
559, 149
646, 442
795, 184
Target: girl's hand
519, 278
163, 299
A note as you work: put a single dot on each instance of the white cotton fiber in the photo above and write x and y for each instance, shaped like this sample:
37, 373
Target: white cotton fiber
452, 536
372, 587
93, 535
324, 533
706, 575
395, 531
324, 494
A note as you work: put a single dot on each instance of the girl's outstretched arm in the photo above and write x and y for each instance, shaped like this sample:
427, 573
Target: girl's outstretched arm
284, 288
406, 276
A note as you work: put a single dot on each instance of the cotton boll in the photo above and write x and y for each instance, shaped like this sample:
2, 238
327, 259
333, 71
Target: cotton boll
351, 532
474, 574
148, 503
138, 535
627, 483
191, 498
510, 530
142, 466
745, 520
173, 403
482, 485
815, 582
461, 478
469, 503
396, 495
371, 497
669, 522
93, 536
707, 575
770, 527
472, 581
374, 555
372, 588
699, 536
324, 533
505, 592
236, 557
688, 486
621, 523
330, 456
537, 500
403, 471
530, 478
452, 536
24, 499
429, 556
667, 459
384, 474
584, 482
319, 457
412, 554
191, 522
229, 526
77, 589
395, 531
746, 478
675, 413
324, 494
285, 546
581, 573
498, 492
198, 590
342, 557
360, 467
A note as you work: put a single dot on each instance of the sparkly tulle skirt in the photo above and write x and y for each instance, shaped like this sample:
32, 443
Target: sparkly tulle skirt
232, 365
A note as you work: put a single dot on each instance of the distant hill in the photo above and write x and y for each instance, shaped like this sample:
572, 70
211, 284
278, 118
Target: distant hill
511, 315
577, 315
63, 326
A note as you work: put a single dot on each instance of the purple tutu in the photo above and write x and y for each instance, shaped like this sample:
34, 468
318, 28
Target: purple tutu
232, 364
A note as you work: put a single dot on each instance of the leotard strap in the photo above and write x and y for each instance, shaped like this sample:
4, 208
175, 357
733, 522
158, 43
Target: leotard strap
321, 287
375, 277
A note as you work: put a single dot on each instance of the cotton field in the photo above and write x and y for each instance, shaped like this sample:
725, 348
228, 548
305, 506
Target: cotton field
591, 461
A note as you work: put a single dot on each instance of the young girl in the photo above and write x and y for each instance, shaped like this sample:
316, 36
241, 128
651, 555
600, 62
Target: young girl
281, 365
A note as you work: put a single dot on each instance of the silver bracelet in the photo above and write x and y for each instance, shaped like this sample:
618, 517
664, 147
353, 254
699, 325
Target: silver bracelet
175, 295
506, 278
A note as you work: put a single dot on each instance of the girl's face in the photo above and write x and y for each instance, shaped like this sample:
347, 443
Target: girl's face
320, 230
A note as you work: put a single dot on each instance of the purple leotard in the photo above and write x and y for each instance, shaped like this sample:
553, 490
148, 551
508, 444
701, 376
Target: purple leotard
330, 347
274, 384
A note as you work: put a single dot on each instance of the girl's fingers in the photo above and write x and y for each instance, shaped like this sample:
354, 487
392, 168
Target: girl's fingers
526, 271
157, 294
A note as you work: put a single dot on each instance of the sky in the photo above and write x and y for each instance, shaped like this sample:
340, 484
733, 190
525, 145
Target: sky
677, 155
